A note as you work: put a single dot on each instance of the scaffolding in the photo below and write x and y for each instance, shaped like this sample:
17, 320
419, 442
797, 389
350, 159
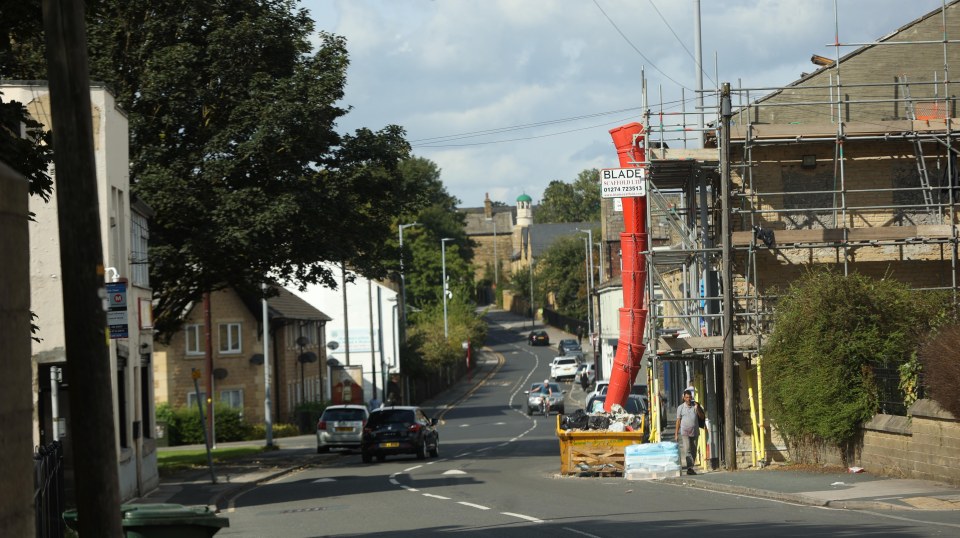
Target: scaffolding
836, 169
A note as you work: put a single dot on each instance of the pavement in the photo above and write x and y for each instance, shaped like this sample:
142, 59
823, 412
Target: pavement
855, 491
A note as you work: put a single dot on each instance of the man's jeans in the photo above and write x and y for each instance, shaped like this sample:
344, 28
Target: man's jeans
688, 450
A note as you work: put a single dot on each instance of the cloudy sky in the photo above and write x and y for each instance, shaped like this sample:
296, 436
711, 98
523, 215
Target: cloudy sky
508, 95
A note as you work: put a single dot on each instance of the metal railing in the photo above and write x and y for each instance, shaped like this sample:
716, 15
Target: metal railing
48, 497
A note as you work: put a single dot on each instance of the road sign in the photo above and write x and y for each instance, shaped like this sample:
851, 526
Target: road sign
117, 319
623, 182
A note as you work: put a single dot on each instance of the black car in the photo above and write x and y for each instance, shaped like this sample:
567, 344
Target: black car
399, 430
538, 338
568, 345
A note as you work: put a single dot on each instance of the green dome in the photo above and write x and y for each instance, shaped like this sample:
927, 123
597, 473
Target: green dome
524, 198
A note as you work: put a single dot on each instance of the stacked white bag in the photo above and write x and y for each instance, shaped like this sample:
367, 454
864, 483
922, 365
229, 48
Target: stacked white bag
651, 460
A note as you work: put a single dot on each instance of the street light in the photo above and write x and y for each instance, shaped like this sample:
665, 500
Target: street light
403, 289
443, 261
496, 261
589, 261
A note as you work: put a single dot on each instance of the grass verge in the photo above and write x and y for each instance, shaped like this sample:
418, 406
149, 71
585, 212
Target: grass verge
171, 461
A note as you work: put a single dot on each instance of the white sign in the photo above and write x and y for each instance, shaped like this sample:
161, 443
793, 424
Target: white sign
623, 182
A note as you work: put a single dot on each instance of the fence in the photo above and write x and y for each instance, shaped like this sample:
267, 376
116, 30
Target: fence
48, 490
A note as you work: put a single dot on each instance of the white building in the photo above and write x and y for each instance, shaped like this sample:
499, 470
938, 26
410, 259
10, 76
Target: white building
369, 338
124, 235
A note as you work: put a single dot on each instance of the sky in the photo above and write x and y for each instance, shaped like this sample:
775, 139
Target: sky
506, 96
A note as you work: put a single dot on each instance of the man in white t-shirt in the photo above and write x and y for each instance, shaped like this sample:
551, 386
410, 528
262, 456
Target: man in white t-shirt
687, 430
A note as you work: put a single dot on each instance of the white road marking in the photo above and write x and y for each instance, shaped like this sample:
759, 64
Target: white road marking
325, 480
521, 516
464, 425
408, 469
408, 488
463, 454
454, 471
479, 506
436, 496
394, 482
580, 532
499, 423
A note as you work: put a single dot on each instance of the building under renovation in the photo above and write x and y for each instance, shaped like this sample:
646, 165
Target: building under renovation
852, 166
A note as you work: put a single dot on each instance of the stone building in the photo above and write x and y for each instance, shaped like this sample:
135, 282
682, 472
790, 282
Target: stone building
851, 166
297, 355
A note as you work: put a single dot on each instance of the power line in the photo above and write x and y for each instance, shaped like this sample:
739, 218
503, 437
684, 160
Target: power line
664, 19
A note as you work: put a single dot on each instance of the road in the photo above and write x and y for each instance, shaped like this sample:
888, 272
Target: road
497, 476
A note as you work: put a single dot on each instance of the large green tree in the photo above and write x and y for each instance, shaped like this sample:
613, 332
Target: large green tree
232, 114
571, 202
829, 331
562, 270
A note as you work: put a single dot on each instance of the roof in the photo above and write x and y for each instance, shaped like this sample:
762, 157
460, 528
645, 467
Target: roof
543, 236
284, 306
476, 223
524, 198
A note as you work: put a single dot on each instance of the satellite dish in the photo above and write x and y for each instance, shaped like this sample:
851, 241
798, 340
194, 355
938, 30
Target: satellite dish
219, 373
332, 362
256, 358
307, 357
303, 341
332, 345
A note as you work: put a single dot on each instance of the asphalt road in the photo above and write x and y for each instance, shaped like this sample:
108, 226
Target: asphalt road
497, 476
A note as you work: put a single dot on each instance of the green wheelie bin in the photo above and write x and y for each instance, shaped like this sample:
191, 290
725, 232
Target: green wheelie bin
163, 521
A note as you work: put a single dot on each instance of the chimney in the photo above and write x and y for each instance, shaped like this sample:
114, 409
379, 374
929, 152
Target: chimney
487, 207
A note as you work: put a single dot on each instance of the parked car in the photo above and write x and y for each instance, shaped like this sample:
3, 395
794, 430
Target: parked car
399, 430
634, 405
538, 338
568, 345
341, 426
564, 368
555, 398
599, 388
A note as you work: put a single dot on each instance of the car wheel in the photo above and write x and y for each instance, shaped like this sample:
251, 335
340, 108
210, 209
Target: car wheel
323, 449
367, 458
422, 450
529, 411
381, 457
435, 451
560, 411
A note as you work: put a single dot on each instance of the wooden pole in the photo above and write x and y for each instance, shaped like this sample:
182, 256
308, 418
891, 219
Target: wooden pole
81, 258
729, 388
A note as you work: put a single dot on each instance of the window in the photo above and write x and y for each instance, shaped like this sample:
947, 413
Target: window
193, 334
192, 399
232, 398
139, 237
230, 338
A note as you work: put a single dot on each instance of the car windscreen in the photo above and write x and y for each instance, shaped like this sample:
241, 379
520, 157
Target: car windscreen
391, 416
344, 414
632, 406
566, 361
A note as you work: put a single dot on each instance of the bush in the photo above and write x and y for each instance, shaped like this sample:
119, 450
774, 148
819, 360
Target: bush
307, 414
829, 330
185, 428
941, 368
259, 431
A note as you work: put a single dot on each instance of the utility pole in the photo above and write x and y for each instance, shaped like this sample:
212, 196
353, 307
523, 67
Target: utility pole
16, 406
81, 259
729, 391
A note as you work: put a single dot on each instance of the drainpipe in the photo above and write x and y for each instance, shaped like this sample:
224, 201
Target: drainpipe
628, 140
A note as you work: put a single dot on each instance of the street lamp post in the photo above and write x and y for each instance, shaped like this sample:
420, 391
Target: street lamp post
403, 289
589, 262
496, 261
443, 261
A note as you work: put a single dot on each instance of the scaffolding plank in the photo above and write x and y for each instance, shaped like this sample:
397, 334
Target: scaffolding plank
854, 235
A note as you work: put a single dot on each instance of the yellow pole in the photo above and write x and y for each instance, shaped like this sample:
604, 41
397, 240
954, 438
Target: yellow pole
753, 418
654, 425
654, 398
763, 424
701, 439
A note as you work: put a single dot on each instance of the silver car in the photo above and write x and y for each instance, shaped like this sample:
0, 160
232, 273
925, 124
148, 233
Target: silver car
555, 398
341, 426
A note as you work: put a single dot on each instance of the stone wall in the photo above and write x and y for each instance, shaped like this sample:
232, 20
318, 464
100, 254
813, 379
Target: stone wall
925, 445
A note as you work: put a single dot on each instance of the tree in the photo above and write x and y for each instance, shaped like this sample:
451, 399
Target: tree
571, 202
233, 144
829, 331
561, 270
